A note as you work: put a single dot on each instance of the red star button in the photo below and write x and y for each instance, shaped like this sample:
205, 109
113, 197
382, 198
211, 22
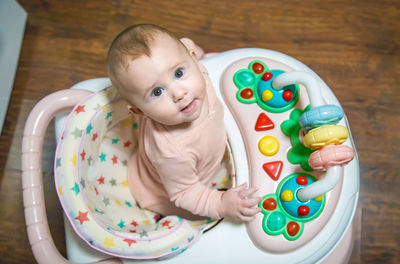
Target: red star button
273, 169
264, 123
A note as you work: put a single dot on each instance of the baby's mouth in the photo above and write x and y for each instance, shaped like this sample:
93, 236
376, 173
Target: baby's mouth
190, 107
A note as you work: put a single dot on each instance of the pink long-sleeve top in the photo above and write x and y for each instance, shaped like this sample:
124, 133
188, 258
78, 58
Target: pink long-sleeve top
168, 173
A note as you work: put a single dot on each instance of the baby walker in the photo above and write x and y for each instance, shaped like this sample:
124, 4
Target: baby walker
287, 135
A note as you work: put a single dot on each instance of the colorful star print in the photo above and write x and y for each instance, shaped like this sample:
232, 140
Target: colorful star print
80, 109
143, 233
106, 201
75, 188
113, 182
82, 217
114, 159
101, 180
121, 224
167, 224
109, 114
102, 157
83, 183
108, 242
130, 241
89, 129
77, 133
102, 154
73, 160
83, 154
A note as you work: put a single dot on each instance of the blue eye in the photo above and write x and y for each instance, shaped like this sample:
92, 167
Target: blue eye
179, 73
158, 91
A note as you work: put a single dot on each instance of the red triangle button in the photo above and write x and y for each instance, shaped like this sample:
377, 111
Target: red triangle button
264, 123
273, 169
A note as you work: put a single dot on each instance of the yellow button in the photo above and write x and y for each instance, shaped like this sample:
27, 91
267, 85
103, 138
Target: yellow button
287, 195
268, 145
267, 95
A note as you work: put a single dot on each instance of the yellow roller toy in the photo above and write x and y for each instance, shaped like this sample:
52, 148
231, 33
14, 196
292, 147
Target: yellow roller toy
325, 135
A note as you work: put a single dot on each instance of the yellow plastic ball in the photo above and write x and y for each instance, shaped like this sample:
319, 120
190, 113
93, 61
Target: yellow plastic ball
287, 195
267, 95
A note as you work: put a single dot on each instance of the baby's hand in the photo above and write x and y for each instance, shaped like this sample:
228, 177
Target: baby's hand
239, 203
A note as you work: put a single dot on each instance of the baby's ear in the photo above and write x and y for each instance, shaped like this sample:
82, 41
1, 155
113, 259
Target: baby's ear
193, 49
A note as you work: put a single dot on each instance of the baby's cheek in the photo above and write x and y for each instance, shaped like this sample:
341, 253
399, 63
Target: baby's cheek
200, 89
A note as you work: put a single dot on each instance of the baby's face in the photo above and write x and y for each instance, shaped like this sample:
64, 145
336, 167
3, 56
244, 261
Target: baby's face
168, 86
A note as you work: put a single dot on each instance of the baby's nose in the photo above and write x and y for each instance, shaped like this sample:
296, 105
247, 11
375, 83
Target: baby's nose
178, 93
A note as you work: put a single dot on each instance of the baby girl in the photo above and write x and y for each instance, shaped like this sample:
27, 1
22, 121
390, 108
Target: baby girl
182, 137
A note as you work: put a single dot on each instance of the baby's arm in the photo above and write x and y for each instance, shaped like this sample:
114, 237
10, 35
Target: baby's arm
179, 176
180, 180
239, 203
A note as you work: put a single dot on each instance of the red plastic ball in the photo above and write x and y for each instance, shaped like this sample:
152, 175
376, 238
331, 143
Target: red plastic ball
287, 95
292, 228
301, 180
303, 210
267, 76
269, 204
258, 68
247, 93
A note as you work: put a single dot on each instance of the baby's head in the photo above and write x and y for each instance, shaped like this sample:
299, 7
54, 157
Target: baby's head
157, 74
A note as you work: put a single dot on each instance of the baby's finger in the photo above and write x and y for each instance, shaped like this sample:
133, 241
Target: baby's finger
248, 192
241, 187
251, 202
250, 211
247, 218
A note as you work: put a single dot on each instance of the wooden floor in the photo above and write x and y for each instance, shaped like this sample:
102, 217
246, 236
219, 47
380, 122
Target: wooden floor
353, 45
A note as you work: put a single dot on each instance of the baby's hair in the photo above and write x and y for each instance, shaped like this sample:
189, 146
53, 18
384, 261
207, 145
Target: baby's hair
129, 45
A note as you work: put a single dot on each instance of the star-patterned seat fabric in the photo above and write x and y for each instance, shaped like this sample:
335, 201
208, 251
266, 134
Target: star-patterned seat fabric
91, 160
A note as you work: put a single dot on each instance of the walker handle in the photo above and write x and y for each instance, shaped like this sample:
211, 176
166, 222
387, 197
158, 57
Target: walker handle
39, 235
304, 78
323, 185
333, 174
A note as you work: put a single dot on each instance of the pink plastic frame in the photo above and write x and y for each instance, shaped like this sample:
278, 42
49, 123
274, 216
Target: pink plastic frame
39, 235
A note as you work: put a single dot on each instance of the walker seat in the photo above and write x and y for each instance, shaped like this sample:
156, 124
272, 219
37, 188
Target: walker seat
287, 134
90, 174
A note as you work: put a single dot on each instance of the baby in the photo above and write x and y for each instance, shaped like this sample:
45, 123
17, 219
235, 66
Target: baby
182, 137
